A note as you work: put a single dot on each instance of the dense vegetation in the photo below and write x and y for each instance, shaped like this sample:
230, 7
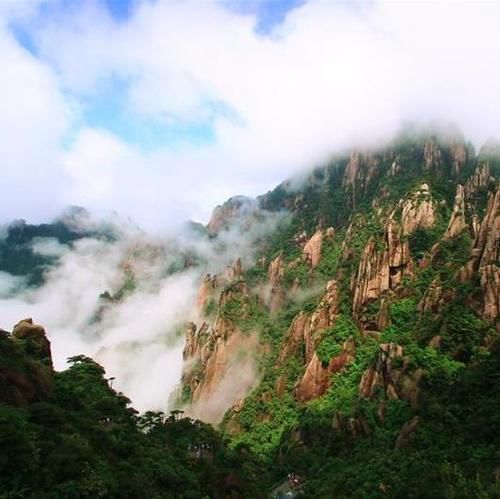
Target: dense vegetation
442, 443
80, 438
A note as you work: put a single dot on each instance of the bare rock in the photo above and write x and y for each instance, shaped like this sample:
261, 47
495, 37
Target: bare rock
312, 249
457, 221
207, 287
484, 259
316, 379
234, 210
480, 179
380, 271
390, 375
433, 299
295, 336
328, 308
432, 154
418, 211
275, 273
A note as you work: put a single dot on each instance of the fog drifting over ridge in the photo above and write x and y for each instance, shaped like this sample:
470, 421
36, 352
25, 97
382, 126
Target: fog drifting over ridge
138, 340
168, 112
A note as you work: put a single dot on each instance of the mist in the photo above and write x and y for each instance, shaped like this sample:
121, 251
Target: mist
138, 339
165, 113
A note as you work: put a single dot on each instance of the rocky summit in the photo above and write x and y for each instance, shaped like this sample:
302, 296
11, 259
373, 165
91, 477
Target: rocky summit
372, 319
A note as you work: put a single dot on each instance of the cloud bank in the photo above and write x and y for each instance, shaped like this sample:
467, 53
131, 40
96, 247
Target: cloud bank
167, 112
138, 339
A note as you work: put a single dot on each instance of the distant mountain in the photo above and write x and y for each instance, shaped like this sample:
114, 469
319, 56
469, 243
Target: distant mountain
18, 255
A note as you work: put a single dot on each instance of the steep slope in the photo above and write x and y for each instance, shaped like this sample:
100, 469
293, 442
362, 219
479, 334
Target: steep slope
69, 434
376, 308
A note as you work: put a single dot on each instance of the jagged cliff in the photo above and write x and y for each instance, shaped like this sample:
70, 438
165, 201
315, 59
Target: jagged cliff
376, 292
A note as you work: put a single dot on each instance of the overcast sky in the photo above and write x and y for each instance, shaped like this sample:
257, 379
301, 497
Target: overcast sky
162, 109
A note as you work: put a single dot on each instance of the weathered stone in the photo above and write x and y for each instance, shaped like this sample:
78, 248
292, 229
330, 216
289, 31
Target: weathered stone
325, 314
457, 221
418, 211
316, 379
232, 211
484, 259
34, 333
29, 375
380, 271
207, 287
432, 300
312, 249
480, 179
295, 336
276, 293
432, 154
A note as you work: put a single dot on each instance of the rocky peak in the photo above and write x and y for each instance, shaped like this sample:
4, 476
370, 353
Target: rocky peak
459, 155
432, 154
312, 249
207, 287
324, 316
490, 149
275, 273
295, 336
457, 221
35, 335
233, 210
317, 377
236, 271
380, 271
26, 372
418, 211
480, 179
352, 168
484, 259
361, 168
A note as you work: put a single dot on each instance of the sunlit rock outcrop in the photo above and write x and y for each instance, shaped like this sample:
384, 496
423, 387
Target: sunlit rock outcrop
382, 269
207, 287
457, 221
485, 256
275, 274
312, 248
317, 376
418, 211
233, 210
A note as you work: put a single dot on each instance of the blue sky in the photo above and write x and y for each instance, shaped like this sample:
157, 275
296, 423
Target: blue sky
104, 107
162, 109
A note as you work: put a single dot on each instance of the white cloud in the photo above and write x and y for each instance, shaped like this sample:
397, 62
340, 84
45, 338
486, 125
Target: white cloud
331, 75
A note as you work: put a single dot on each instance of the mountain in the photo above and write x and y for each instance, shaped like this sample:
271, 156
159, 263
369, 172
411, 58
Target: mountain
361, 350
19, 255
352, 348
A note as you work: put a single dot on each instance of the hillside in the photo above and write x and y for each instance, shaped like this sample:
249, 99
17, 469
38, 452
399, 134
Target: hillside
352, 349
361, 351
